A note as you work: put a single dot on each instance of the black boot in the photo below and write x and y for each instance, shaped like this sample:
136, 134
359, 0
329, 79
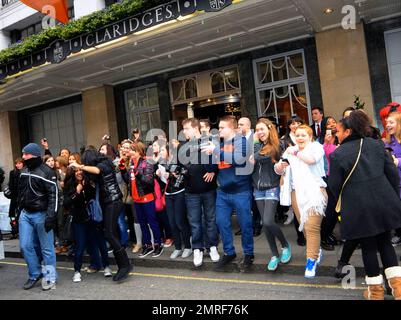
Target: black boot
339, 273
123, 263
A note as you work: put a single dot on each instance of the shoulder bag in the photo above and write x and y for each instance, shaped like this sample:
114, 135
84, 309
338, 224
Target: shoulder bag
94, 209
338, 206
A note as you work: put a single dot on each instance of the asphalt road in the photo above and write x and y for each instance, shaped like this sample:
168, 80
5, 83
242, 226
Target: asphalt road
174, 284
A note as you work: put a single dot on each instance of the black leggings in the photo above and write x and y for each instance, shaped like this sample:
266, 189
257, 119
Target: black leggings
111, 212
348, 249
272, 231
382, 244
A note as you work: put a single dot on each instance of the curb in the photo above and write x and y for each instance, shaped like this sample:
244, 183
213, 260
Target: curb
260, 268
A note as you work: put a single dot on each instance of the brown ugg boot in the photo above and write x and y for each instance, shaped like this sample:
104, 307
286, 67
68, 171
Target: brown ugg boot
375, 290
393, 276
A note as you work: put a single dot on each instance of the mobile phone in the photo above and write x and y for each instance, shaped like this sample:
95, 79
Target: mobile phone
285, 160
44, 139
328, 132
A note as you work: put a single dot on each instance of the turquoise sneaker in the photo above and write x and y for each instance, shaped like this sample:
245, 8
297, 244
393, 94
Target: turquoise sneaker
273, 264
286, 255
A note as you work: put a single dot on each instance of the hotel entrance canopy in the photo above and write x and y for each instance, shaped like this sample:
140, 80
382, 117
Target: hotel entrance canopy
239, 26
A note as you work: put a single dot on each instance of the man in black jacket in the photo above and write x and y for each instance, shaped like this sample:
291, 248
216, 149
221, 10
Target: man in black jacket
200, 191
319, 124
38, 201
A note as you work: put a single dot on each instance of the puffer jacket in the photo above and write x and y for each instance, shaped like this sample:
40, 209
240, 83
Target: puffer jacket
37, 190
264, 177
142, 175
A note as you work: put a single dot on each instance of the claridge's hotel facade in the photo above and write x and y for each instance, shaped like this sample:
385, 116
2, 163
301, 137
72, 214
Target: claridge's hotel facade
118, 65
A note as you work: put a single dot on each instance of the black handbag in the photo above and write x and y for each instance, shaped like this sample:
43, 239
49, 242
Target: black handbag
68, 231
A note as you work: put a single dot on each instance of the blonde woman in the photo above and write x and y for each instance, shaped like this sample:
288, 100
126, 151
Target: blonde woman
304, 174
135, 237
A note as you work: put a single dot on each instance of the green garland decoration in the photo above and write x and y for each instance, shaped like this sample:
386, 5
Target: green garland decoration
86, 24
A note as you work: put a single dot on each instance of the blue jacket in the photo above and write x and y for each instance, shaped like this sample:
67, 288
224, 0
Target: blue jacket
235, 171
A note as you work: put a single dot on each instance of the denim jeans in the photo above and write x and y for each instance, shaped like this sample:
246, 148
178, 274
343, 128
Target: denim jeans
96, 243
198, 205
122, 227
88, 237
177, 214
37, 246
146, 213
225, 204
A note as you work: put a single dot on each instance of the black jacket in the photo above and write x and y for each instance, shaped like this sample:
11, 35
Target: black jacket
75, 202
109, 189
197, 164
370, 201
144, 177
13, 187
37, 190
264, 177
320, 138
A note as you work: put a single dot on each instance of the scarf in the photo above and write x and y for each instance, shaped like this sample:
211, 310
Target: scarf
310, 198
33, 163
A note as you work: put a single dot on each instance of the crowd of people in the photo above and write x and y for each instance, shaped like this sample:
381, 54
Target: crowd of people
184, 193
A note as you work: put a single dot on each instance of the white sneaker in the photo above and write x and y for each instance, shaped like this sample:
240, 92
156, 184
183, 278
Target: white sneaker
395, 241
214, 255
76, 277
310, 268
290, 217
175, 254
198, 257
107, 272
187, 253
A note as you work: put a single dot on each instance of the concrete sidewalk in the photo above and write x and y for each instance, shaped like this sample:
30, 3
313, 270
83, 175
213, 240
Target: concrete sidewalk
262, 256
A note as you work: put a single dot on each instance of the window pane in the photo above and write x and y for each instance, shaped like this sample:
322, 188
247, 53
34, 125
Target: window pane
296, 65
154, 118
142, 99
267, 103
131, 100
217, 83
190, 89
283, 107
143, 109
153, 97
279, 69
264, 72
299, 101
178, 90
232, 78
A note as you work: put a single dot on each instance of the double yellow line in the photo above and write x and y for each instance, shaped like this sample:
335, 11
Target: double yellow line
217, 280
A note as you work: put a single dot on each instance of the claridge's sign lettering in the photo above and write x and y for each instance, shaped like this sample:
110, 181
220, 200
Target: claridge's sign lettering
60, 49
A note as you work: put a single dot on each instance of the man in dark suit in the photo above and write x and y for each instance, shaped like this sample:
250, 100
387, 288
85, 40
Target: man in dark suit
319, 124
